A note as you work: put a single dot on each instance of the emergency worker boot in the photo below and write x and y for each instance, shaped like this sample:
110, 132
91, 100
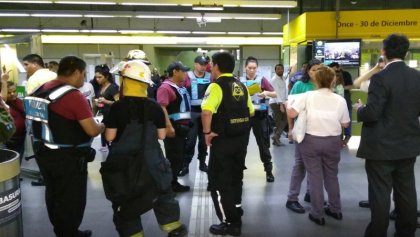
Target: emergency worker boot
203, 166
269, 176
179, 232
225, 229
184, 171
84, 233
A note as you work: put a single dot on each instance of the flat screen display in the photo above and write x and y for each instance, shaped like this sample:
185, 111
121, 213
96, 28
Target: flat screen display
344, 52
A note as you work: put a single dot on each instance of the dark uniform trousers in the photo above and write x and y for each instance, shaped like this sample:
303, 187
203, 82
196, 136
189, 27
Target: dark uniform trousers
195, 131
226, 166
259, 125
383, 176
65, 176
174, 149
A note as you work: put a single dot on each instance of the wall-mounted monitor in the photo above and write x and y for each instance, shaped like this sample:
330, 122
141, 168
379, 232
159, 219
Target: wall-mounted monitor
346, 52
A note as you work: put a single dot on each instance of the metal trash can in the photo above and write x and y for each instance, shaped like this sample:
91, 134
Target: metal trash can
10, 198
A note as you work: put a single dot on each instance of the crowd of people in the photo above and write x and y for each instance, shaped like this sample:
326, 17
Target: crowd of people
211, 105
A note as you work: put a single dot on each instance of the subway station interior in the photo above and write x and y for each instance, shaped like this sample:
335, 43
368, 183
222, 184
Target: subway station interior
273, 31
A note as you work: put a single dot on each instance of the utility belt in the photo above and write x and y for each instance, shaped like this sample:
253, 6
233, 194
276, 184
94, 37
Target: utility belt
196, 102
182, 127
83, 150
180, 116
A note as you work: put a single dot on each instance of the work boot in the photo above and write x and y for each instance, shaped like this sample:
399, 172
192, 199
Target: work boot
203, 167
84, 233
179, 188
179, 232
269, 176
225, 229
184, 171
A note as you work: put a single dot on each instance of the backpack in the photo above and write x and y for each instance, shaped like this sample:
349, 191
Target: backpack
7, 125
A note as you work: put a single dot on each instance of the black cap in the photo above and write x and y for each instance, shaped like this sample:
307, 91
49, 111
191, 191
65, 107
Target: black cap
177, 65
201, 60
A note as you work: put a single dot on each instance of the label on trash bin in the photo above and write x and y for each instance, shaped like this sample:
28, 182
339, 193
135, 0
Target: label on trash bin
9, 205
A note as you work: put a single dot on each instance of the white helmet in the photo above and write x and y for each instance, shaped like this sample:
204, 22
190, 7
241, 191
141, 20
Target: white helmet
136, 70
137, 54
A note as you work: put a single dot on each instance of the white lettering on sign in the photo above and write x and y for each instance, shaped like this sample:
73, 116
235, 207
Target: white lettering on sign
9, 197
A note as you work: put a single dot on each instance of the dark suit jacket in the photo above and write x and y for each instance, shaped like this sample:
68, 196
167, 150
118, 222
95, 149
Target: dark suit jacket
391, 127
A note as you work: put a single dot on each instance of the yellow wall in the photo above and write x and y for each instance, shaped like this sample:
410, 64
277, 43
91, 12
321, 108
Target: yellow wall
372, 24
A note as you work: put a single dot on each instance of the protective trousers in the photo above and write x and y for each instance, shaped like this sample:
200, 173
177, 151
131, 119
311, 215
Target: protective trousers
196, 131
226, 165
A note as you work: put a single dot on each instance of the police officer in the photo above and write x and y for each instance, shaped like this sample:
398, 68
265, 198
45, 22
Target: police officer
175, 102
260, 88
62, 144
135, 105
226, 115
196, 82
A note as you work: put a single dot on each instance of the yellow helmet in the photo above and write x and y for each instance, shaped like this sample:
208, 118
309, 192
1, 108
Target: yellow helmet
137, 54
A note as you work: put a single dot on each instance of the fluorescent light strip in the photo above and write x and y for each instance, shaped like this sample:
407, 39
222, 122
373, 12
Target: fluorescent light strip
257, 18
13, 14
267, 6
208, 33
20, 30
86, 3
172, 32
98, 16
36, 2
185, 5
55, 15
156, 40
203, 8
136, 31
244, 33
272, 33
147, 4
60, 30
157, 16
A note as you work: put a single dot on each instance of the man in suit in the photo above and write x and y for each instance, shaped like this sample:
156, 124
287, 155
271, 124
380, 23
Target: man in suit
390, 140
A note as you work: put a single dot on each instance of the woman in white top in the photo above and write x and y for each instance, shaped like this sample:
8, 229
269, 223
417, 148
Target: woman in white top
320, 149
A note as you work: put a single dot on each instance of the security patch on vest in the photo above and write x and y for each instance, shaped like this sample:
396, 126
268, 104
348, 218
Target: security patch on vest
237, 91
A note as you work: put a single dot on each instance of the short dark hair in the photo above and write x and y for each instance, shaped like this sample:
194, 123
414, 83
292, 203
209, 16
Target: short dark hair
68, 65
55, 63
334, 64
279, 65
225, 61
34, 58
251, 59
396, 46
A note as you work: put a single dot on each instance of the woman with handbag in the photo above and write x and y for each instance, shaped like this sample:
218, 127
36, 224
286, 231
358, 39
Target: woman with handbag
306, 83
320, 148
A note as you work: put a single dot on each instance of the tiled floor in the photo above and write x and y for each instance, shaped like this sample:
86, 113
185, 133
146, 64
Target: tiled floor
264, 203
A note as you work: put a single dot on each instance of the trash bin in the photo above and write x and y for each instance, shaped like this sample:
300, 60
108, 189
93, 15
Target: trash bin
10, 201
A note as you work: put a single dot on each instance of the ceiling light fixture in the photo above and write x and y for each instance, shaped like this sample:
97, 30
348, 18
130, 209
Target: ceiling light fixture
257, 18
173, 32
136, 31
244, 33
20, 30
208, 33
60, 31
160, 16
35, 2
209, 7
147, 4
86, 3
55, 15
4, 14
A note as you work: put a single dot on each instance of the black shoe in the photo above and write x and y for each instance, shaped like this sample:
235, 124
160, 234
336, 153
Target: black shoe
316, 220
307, 197
337, 216
179, 188
393, 215
203, 167
364, 204
295, 206
39, 182
179, 232
270, 177
225, 229
240, 211
84, 233
184, 171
